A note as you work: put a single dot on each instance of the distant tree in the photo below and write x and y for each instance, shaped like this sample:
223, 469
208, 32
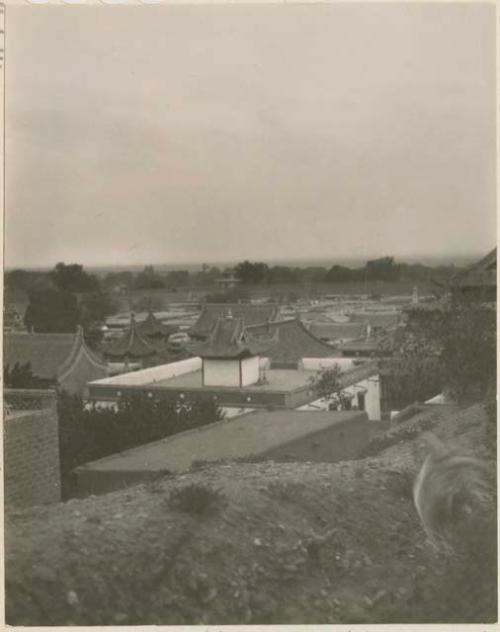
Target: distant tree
252, 273
383, 269
73, 278
20, 376
52, 311
177, 278
148, 279
312, 274
207, 276
341, 274
283, 274
117, 279
96, 307
328, 387
22, 280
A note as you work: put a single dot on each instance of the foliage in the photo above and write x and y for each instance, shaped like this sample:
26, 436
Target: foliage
196, 498
73, 278
148, 279
87, 433
462, 338
328, 387
20, 376
383, 269
177, 278
119, 279
22, 279
253, 273
52, 311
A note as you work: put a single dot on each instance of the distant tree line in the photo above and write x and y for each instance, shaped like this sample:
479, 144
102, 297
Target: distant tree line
90, 433
382, 269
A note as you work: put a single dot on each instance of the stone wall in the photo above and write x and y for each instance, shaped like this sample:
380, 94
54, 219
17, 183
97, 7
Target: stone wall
31, 457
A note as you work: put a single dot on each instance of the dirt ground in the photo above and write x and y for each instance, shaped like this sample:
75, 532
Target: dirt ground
293, 543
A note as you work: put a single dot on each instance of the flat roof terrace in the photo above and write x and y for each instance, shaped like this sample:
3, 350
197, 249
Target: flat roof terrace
285, 388
250, 434
277, 380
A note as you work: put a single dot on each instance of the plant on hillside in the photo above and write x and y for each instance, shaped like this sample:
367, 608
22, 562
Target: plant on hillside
196, 498
455, 346
87, 433
328, 387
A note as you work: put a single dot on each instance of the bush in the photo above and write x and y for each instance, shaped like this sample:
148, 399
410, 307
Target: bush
87, 434
196, 499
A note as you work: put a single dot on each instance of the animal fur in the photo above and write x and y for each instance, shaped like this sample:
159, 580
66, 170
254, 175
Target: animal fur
447, 492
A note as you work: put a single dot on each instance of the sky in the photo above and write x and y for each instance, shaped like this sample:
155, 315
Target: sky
170, 134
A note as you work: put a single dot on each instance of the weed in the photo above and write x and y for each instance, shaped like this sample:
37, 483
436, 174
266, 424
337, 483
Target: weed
286, 491
196, 499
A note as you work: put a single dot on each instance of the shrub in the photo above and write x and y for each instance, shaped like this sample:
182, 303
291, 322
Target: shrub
281, 490
196, 498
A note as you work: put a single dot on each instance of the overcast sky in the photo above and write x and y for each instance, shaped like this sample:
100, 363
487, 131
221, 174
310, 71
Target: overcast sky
212, 133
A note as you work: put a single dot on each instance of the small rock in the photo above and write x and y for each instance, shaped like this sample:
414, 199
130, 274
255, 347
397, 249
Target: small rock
257, 542
72, 598
368, 602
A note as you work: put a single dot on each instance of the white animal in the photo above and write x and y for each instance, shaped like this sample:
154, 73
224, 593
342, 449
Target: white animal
448, 490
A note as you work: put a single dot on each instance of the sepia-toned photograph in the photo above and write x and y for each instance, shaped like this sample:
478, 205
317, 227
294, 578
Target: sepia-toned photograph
249, 313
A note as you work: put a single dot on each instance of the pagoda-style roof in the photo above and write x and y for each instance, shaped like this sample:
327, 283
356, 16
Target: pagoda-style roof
153, 328
292, 342
250, 314
49, 355
481, 274
131, 345
228, 339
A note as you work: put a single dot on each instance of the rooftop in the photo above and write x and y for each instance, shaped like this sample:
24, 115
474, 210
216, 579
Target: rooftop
251, 434
250, 314
293, 341
228, 339
482, 273
132, 344
277, 380
46, 353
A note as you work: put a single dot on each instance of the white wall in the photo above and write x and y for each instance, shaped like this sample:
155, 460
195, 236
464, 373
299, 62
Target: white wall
221, 372
371, 388
153, 374
250, 371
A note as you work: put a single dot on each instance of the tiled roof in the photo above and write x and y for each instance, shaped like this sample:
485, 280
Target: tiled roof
228, 339
376, 319
152, 327
248, 313
337, 331
293, 341
80, 345
482, 273
131, 345
45, 352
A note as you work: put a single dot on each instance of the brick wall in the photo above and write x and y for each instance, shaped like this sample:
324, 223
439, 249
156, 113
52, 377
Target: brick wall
31, 457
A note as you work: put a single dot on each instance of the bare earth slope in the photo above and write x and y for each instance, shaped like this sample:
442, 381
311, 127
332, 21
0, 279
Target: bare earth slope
289, 543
